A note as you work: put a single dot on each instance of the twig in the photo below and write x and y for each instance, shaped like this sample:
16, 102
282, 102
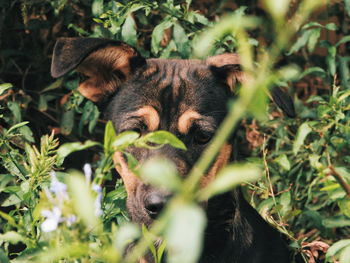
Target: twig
340, 180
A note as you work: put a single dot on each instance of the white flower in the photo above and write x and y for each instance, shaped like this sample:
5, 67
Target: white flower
98, 200
53, 218
88, 172
58, 188
97, 188
70, 220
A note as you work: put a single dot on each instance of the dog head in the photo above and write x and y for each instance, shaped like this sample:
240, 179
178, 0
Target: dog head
185, 97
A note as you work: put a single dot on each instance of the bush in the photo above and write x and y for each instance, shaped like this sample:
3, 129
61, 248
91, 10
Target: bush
300, 166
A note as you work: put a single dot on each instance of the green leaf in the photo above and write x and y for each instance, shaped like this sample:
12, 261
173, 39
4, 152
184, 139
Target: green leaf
65, 149
344, 206
124, 139
97, 20
343, 96
336, 221
66, 250
160, 251
5, 179
277, 8
283, 162
67, 121
90, 116
167, 51
55, 85
199, 18
13, 199
95, 114
184, 233
301, 42
314, 36
330, 59
157, 35
311, 24
129, 33
312, 70
97, 7
331, 26
83, 201
132, 161
109, 137
229, 177
164, 137
27, 133
161, 173
11, 237
10, 220
16, 111
343, 40
290, 72
150, 241
3, 257
347, 6
337, 247
181, 40
345, 255
42, 103
126, 234
258, 105
4, 87
314, 160
302, 133
16, 126
285, 202
205, 43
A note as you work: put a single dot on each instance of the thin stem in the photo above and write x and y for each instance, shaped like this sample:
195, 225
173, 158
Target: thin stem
230, 122
157, 227
340, 179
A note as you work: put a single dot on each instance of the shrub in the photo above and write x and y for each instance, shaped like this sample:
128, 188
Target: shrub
50, 213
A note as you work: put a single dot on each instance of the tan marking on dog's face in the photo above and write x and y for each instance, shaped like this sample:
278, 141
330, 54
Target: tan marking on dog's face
150, 116
186, 119
89, 88
130, 180
222, 159
223, 60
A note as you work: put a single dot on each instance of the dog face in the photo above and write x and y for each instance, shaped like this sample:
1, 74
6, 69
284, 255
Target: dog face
185, 97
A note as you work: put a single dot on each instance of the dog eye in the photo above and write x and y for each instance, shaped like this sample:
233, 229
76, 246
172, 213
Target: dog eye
140, 128
82, 77
202, 137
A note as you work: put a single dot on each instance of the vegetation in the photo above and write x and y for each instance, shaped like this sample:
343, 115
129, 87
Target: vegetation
297, 173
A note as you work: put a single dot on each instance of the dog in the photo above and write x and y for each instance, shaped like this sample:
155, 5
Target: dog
189, 99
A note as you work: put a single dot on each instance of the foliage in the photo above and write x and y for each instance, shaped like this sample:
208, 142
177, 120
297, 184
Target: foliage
304, 187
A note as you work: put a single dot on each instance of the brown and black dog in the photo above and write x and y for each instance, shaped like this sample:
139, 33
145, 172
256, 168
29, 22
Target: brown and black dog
188, 98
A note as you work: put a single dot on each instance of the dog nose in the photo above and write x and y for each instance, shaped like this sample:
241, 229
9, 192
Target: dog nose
155, 202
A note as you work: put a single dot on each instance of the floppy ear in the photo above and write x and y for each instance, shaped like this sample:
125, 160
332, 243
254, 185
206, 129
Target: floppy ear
103, 63
228, 66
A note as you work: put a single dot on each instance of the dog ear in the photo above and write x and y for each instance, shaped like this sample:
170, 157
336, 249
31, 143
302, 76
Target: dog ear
103, 64
229, 68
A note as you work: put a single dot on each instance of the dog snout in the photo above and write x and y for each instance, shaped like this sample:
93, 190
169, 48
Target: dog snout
155, 202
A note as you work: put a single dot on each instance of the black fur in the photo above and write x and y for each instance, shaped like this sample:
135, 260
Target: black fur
235, 233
